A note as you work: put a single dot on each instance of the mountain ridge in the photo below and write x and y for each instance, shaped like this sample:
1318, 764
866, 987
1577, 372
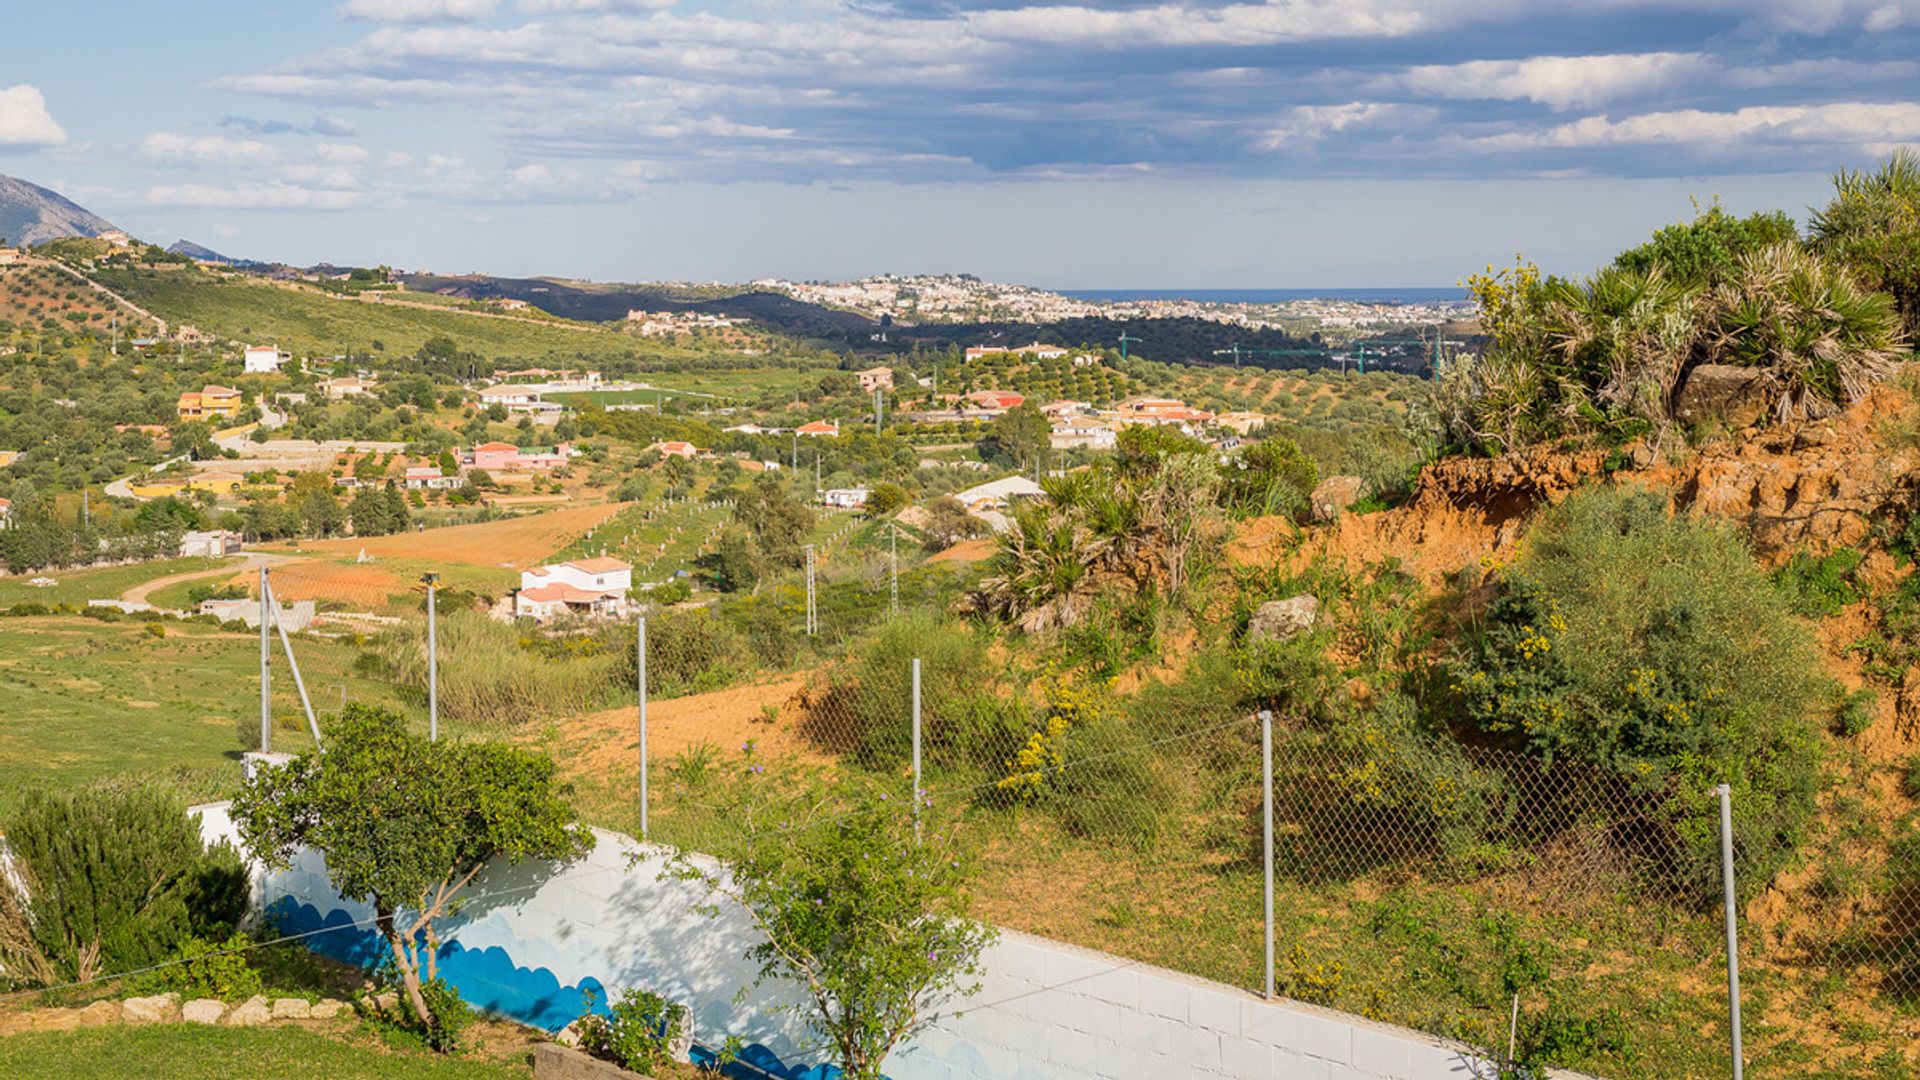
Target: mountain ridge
31, 214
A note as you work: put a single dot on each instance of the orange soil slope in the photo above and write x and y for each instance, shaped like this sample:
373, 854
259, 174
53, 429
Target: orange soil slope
521, 542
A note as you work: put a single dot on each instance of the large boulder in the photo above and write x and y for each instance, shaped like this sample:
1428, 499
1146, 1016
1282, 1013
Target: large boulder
158, 1009
251, 1013
203, 1011
1738, 397
327, 1009
1335, 494
1283, 620
292, 1009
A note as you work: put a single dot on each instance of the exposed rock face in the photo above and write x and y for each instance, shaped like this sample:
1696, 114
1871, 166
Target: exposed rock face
1735, 396
203, 1011
1335, 494
160, 1009
252, 1013
1283, 620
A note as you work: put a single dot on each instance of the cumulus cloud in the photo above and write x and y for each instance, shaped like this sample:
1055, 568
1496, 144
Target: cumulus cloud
169, 147
331, 126
1187, 24
1561, 82
418, 10
1309, 123
24, 120
1843, 123
540, 6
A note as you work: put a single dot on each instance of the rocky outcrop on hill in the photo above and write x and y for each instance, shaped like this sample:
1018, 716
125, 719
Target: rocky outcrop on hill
1814, 486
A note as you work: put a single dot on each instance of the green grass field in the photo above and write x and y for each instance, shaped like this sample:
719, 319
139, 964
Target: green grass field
192, 1052
79, 586
84, 699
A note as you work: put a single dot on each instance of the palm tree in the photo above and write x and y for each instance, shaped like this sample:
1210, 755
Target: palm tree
1825, 339
1873, 226
1623, 337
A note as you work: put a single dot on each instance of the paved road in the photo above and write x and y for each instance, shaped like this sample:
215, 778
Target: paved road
252, 561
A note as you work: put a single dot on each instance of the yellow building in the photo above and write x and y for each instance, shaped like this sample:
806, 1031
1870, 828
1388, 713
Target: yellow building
210, 403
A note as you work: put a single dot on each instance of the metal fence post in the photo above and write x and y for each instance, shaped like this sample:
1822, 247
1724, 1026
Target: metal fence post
293, 665
1266, 783
266, 686
917, 791
1733, 927
433, 661
640, 665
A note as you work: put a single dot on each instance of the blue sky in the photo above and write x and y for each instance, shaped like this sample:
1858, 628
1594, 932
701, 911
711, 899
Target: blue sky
1139, 144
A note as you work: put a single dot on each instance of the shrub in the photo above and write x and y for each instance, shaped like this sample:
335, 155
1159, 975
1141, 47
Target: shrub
120, 877
871, 922
205, 969
448, 1015
491, 677
868, 707
688, 652
1654, 648
1820, 586
1873, 226
641, 1031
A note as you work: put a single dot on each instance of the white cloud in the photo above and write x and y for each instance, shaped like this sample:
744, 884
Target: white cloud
1852, 123
1562, 82
166, 146
24, 120
1884, 18
537, 6
342, 152
1182, 24
270, 196
417, 10
1309, 123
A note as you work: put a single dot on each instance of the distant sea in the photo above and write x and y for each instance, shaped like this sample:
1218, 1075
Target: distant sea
1272, 296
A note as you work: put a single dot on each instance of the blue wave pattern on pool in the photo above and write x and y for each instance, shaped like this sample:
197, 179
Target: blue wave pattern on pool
489, 980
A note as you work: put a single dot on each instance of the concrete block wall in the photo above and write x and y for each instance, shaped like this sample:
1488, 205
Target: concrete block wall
1045, 1010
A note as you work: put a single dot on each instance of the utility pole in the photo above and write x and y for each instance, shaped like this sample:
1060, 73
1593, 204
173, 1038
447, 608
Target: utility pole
433, 661
879, 409
266, 691
893, 568
813, 617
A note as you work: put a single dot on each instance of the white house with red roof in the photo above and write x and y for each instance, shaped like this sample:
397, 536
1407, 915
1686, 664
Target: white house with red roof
818, 429
585, 588
6, 513
675, 448
263, 359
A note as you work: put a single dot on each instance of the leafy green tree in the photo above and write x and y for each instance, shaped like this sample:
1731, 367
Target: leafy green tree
120, 877
405, 824
1707, 250
886, 499
192, 438
870, 923
1018, 436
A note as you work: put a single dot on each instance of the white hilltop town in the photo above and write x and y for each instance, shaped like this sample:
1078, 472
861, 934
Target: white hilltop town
963, 298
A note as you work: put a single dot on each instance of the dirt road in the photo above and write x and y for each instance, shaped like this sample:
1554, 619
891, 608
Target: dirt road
139, 593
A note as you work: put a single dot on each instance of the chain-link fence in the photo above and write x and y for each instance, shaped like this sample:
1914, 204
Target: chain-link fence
1549, 912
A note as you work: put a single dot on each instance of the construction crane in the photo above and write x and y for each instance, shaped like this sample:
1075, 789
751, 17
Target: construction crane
1237, 352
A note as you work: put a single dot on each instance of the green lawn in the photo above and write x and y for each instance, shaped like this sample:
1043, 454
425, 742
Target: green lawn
79, 586
192, 1052
81, 699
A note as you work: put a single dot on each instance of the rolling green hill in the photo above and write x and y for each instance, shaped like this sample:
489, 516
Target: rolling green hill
305, 320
